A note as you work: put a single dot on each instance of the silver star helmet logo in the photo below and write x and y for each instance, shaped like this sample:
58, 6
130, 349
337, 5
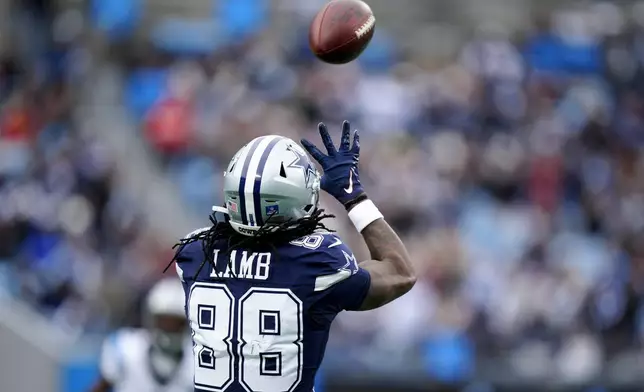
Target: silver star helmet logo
302, 162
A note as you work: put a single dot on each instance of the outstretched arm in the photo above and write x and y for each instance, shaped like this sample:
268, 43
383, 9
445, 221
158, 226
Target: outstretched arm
392, 274
390, 269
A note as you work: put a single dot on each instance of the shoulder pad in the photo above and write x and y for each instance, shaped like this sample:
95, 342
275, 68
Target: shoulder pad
195, 233
331, 259
112, 361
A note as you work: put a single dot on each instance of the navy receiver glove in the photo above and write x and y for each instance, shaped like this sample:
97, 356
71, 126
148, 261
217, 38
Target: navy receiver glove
340, 179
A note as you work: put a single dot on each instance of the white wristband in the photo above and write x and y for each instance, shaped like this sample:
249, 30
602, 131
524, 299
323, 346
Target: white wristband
363, 214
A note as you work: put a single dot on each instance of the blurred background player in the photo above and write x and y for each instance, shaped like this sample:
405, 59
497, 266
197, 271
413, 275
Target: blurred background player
155, 358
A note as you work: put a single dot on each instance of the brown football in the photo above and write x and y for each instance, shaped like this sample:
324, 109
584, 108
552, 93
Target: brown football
341, 31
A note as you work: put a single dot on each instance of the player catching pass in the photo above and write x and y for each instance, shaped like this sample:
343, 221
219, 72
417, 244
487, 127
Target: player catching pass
264, 285
156, 358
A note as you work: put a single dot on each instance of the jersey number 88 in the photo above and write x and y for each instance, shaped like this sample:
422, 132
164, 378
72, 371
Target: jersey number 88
266, 322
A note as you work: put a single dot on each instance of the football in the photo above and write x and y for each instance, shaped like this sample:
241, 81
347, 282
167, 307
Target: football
341, 31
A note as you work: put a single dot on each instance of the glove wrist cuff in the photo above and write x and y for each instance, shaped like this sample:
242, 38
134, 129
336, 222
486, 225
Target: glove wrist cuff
363, 214
355, 201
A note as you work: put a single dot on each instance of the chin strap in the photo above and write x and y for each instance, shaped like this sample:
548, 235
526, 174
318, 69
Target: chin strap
222, 210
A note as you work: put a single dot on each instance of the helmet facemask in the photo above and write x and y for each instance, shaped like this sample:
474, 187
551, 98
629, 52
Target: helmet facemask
169, 333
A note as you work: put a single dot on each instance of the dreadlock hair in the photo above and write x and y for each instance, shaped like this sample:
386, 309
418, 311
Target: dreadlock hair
267, 235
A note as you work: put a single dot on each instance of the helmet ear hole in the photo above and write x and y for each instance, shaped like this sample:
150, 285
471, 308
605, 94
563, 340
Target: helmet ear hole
282, 171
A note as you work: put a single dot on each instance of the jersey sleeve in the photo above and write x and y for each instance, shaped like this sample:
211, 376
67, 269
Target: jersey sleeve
111, 361
188, 258
339, 280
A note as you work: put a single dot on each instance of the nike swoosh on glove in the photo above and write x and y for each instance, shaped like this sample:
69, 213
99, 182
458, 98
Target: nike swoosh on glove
341, 178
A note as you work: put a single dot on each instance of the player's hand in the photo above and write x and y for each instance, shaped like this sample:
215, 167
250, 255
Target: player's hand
340, 179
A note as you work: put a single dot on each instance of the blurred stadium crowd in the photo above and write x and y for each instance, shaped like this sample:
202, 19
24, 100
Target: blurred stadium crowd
512, 169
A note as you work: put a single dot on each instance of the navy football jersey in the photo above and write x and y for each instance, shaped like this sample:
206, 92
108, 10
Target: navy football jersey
260, 320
